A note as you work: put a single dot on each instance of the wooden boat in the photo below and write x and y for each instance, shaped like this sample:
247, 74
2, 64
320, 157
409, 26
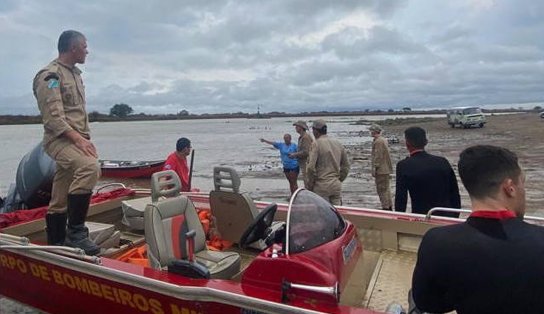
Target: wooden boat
130, 169
366, 265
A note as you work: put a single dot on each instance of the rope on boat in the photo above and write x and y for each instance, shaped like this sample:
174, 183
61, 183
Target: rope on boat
76, 251
23, 244
14, 239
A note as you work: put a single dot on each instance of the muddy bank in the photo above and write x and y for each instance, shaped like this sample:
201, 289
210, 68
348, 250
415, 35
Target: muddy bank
521, 133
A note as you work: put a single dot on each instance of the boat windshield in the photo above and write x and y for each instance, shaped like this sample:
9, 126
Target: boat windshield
311, 222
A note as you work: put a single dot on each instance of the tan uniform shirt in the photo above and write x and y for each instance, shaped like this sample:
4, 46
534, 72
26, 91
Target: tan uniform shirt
327, 167
60, 93
380, 159
304, 145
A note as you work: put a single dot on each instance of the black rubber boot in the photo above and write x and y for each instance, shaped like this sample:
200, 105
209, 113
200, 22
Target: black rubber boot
77, 235
56, 228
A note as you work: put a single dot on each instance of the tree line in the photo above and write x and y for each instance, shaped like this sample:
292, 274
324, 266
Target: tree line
124, 112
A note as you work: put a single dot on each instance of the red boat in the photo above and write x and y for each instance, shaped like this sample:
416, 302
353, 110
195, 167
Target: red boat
316, 259
130, 169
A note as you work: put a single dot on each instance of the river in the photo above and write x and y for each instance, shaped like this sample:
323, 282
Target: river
226, 142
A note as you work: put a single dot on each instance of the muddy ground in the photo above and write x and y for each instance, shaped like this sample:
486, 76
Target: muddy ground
521, 133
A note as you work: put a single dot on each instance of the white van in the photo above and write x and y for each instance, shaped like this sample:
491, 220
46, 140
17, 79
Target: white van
466, 117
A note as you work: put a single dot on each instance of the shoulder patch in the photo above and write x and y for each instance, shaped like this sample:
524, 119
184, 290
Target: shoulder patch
51, 76
53, 83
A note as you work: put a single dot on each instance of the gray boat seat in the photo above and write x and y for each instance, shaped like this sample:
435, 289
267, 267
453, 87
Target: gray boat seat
166, 223
233, 211
103, 235
133, 210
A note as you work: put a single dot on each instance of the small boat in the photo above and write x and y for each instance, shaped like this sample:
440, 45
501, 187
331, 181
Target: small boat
314, 258
130, 169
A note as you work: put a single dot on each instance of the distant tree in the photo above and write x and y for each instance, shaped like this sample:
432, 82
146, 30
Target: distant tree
120, 110
390, 110
183, 113
406, 109
537, 108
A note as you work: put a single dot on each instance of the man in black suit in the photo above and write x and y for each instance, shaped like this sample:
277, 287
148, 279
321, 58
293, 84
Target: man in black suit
492, 263
429, 179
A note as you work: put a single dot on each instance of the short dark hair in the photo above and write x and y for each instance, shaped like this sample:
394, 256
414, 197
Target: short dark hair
67, 39
416, 136
322, 130
483, 168
182, 143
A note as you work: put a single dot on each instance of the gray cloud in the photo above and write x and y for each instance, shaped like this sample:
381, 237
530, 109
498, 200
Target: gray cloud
227, 56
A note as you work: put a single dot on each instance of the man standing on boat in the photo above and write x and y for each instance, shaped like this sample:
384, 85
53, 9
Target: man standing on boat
429, 179
60, 94
491, 263
290, 164
177, 161
328, 165
303, 150
381, 166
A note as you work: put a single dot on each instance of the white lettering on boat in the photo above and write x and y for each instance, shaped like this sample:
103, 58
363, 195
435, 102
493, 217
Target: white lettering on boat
91, 287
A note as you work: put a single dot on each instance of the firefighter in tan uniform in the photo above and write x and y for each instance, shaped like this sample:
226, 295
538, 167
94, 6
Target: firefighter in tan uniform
328, 165
303, 149
381, 166
60, 94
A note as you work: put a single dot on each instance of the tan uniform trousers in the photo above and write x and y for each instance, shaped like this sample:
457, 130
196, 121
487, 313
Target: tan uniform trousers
384, 190
332, 193
76, 173
302, 175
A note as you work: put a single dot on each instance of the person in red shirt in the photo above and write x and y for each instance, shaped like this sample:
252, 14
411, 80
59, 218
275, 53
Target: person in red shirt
177, 161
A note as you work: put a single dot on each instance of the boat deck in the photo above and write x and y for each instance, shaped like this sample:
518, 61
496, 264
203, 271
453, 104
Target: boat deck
391, 281
379, 279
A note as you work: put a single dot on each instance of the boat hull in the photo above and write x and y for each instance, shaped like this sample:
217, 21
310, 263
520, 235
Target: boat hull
61, 284
57, 289
122, 169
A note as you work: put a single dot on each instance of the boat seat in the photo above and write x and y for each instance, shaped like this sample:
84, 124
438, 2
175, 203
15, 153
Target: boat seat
233, 210
133, 210
103, 235
167, 222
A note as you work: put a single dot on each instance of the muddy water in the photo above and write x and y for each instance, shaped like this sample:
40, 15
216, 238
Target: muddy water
235, 143
228, 142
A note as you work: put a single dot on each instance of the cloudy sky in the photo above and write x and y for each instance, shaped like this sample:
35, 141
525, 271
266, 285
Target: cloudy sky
285, 55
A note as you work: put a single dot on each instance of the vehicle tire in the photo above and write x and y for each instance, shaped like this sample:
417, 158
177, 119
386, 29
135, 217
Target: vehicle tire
452, 125
481, 125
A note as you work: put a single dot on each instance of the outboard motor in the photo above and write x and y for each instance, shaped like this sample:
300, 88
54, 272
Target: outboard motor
34, 179
12, 201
